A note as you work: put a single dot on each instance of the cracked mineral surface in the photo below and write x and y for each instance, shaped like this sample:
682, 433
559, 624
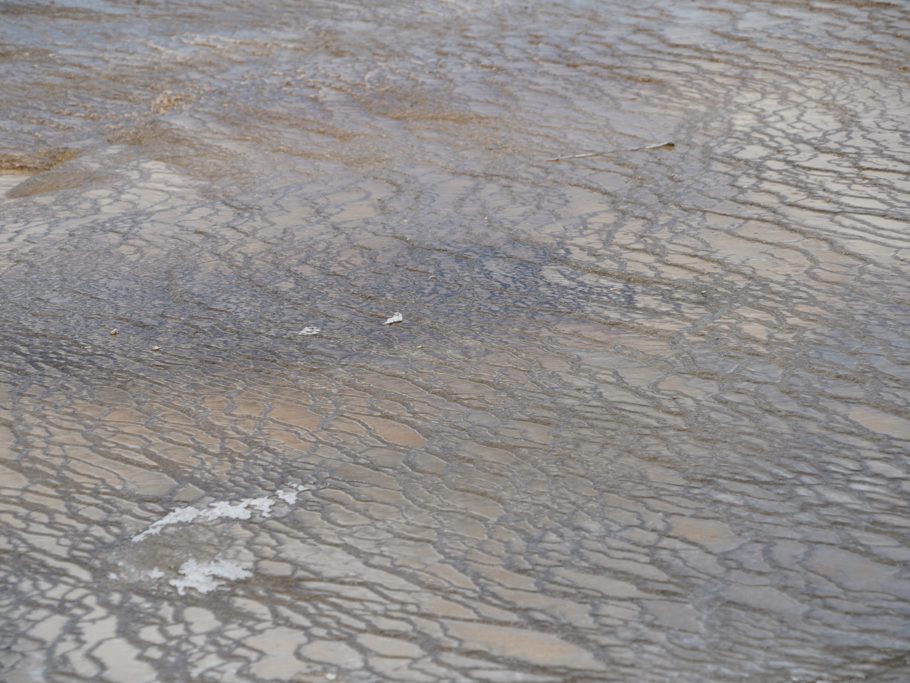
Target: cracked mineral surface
647, 418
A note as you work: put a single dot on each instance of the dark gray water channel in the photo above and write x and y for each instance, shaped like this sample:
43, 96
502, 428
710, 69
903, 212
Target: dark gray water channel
646, 417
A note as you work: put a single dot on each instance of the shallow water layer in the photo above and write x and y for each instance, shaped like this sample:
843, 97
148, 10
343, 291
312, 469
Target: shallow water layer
645, 418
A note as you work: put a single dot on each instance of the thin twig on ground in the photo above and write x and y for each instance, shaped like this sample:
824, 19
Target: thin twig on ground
585, 155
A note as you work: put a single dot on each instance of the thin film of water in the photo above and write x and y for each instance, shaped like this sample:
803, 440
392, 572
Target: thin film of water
640, 411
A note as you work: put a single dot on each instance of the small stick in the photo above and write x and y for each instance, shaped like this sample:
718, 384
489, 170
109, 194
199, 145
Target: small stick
585, 155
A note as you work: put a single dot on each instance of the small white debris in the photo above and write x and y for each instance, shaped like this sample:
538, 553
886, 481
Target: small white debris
330, 676
397, 318
203, 576
220, 509
289, 497
178, 516
264, 505
155, 574
309, 331
115, 332
156, 348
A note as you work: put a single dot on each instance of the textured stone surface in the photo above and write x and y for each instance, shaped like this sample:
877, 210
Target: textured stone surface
646, 417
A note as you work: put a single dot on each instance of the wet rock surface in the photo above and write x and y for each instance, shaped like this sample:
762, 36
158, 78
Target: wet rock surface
646, 416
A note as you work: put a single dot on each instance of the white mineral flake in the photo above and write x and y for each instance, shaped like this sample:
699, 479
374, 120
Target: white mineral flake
262, 505
289, 497
178, 516
220, 509
396, 318
309, 331
206, 576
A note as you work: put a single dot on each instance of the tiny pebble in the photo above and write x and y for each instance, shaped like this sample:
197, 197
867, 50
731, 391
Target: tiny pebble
115, 332
156, 348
